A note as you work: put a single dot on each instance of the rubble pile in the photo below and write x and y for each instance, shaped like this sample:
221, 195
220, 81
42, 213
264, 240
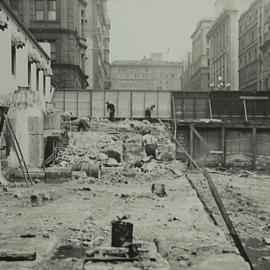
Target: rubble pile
117, 148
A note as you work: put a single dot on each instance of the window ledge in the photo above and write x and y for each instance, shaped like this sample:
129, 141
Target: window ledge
45, 21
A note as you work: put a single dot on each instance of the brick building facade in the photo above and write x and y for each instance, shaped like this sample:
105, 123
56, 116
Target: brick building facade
201, 56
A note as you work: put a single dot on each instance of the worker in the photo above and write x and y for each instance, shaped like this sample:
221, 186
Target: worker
149, 144
148, 111
84, 123
111, 110
66, 116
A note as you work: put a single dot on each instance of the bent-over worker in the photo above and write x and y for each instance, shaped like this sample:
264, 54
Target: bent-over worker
84, 124
150, 144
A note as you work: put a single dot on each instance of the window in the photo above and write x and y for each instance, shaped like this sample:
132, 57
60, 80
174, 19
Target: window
29, 73
37, 80
44, 85
45, 10
53, 50
82, 22
40, 10
13, 59
51, 7
14, 4
82, 62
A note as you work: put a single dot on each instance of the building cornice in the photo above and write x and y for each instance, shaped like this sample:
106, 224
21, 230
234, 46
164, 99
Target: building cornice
24, 29
201, 23
227, 13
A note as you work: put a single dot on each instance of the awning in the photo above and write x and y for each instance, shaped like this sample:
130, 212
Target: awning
3, 20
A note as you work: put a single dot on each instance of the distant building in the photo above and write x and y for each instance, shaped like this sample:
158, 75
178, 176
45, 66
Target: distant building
249, 47
186, 78
97, 33
201, 56
147, 74
61, 23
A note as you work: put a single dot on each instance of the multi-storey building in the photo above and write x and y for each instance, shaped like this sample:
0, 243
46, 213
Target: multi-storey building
147, 74
224, 45
186, 78
61, 23
25, 87
264, 44
97, 34
201, 56
249, 47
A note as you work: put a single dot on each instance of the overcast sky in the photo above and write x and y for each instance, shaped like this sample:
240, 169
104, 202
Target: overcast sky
140, 27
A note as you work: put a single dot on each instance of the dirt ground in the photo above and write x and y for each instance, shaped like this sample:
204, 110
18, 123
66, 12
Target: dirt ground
246, 197
62, 220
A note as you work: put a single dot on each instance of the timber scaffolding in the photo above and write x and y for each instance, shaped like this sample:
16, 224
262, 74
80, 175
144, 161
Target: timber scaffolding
224, 127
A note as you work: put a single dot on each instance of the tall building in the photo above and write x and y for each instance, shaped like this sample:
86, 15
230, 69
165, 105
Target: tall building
61, 23
147, 74
264, 44
224, 44
201, 56
97, 33
249, 47
186, 78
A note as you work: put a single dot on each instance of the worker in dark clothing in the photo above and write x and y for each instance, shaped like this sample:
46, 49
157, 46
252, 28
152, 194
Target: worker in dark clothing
111, 110
148, 111
84, 124
150, 144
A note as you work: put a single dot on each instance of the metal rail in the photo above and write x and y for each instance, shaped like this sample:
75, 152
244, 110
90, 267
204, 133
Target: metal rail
217, 198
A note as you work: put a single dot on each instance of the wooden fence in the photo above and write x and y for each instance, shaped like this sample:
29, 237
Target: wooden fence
128, 104
225, 105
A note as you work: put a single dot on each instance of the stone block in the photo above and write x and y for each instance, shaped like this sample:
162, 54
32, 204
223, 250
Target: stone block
36, 150
35, 125
52, 122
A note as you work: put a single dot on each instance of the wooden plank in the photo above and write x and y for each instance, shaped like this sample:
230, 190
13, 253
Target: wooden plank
253, 98
131, 102
223, 145
191, 145
13, 257
254, 147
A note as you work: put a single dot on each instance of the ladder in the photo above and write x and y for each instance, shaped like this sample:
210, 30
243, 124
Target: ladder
18, 151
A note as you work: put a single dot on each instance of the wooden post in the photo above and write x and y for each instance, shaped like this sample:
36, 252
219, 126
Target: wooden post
64, 103
91, 103
77, 109
195, 107
191, 145
223, 144
183, 105
117, 105
131, 105
104, 104
254, 147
